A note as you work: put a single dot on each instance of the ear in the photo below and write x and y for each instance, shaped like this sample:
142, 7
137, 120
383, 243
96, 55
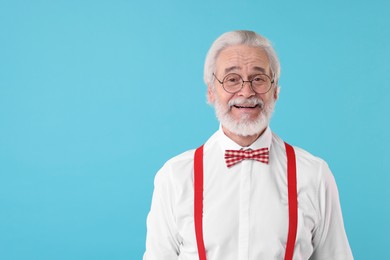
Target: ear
276, 92
210, 94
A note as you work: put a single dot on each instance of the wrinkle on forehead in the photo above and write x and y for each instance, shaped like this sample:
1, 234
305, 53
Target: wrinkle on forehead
234, 68
243, 58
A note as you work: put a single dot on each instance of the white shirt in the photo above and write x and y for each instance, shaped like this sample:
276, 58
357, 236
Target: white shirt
245, 207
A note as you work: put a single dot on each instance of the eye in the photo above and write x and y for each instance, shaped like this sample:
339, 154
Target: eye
259, 79
232, 79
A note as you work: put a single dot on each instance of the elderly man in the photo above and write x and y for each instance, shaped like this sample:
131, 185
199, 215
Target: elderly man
245, 194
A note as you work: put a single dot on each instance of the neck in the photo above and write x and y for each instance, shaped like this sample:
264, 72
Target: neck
243, 141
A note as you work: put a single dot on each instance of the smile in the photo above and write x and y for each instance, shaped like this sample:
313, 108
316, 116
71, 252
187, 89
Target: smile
243, 107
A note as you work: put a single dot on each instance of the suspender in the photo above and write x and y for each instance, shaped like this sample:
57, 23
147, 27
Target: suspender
292, 201
198, 201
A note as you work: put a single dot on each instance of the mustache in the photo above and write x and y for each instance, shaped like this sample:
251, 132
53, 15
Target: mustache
240, 101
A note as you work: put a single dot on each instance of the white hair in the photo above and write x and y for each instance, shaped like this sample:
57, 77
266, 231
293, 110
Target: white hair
241, 37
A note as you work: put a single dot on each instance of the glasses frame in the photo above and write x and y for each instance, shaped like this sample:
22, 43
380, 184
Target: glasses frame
243, 82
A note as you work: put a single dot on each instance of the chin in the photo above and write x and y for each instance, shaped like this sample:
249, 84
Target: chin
245, 127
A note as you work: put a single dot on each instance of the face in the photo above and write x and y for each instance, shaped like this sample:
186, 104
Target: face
244, 113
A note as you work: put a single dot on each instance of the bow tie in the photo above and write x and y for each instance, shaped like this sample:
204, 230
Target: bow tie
233, 157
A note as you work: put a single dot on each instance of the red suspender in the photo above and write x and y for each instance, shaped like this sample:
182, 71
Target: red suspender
292, 201
198, 201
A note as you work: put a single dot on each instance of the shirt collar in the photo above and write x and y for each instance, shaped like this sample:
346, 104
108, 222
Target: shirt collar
228, 144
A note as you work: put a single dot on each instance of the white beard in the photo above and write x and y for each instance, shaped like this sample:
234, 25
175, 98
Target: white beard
244, 126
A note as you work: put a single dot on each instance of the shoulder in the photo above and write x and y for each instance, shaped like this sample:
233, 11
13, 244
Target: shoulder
179, 169
175, 175
309, 166
176, 167
180, 161
184, 161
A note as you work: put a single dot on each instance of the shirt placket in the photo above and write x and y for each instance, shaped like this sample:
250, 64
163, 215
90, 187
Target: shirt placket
245, 191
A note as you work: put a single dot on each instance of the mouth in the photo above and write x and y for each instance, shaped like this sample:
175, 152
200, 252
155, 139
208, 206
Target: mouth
246, 106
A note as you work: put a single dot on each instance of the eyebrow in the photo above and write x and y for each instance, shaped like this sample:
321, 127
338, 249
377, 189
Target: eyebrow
230, 69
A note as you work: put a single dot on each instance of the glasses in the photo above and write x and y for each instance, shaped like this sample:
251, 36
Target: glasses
233, 83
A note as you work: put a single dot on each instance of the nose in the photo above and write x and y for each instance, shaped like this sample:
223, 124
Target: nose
246, 90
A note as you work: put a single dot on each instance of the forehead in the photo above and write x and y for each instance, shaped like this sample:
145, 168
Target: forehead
242, 58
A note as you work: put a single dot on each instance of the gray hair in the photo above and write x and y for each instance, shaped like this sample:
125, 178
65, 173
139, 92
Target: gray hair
248, 38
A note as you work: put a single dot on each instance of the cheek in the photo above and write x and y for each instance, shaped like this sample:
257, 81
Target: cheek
223, 98
225, 102
269, 97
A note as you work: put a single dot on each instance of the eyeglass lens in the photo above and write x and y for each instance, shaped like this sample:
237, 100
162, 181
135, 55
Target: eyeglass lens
260, 83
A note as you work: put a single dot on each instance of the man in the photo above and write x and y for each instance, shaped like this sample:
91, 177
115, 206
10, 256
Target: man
271, 202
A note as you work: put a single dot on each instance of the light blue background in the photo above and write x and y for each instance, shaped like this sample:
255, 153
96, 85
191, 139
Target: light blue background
96, 95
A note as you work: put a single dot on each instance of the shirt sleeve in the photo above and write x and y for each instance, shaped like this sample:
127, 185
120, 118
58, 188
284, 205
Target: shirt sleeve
329, 238
162, 240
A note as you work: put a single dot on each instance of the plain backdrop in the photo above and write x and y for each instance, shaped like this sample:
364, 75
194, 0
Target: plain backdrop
96, 95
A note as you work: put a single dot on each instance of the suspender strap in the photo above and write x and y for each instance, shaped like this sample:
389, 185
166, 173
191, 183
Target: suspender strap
198, 201
292, 201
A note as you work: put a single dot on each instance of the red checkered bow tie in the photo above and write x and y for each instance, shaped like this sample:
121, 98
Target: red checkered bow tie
235, 156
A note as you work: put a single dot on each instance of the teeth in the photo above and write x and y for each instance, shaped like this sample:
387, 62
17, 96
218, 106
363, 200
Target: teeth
245, 107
